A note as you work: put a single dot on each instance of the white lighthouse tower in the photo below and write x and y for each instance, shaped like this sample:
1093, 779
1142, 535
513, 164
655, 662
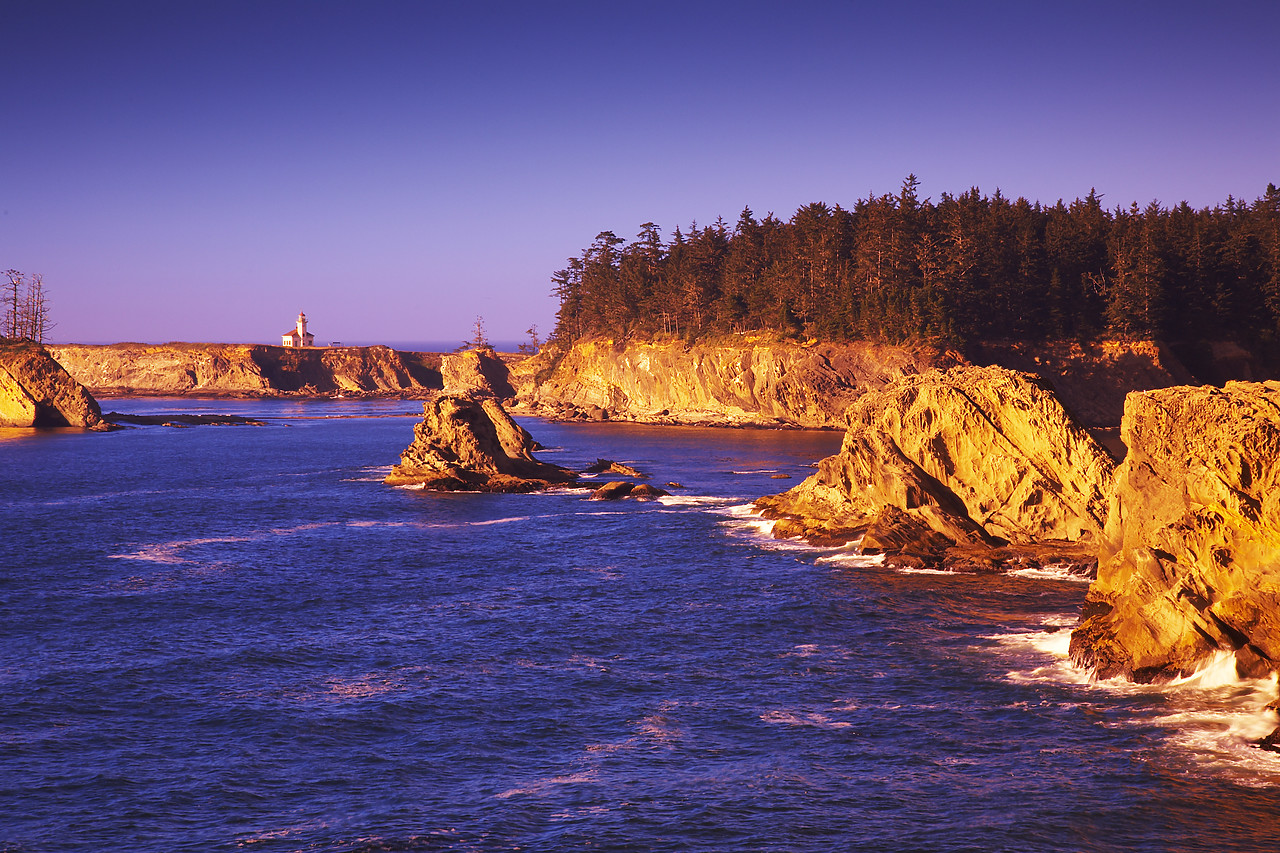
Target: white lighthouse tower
298, 336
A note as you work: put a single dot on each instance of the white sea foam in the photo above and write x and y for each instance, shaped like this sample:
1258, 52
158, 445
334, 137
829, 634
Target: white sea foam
171, 552
541, 786
852, 559
1055, 572
1215, 718
803, 718
694, 500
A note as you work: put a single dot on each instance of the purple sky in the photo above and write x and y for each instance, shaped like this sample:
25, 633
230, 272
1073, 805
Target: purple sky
202, 170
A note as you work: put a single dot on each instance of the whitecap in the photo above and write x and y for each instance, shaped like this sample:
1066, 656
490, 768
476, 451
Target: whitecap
694, 500
852, 559
1060, 572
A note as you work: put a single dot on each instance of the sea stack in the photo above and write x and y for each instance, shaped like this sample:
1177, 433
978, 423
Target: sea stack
971, 468
1189, 562
469, 444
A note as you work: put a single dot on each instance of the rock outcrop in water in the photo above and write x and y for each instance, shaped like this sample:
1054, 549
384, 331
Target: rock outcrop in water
1190, 560
249, 370
972, 468
752, 380
470, 444
36, 391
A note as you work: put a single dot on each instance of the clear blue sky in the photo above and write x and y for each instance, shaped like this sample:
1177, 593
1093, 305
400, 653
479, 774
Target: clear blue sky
189, 170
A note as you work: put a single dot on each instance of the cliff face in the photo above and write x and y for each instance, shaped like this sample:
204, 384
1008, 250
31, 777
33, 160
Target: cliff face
729, 382
248, 370
1091, 378
755, 381
36, 391
468, 444
976, 456
1190, 559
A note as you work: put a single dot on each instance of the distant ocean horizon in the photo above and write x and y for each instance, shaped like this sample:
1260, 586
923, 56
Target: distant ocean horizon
404, 346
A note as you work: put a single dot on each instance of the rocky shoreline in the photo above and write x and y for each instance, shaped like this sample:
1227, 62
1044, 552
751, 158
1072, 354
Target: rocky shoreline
944, 464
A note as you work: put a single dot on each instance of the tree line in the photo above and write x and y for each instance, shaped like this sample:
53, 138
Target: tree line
26, 307
972, 267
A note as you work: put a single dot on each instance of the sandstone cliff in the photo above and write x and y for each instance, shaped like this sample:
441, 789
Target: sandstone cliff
469, 444
249, 370
1190, 560
754, 380
974, 457
734, 381
36, 391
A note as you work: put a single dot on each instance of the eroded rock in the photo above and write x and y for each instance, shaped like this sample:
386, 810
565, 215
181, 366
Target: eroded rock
469, 444
971, 458
1189, 563
36, 391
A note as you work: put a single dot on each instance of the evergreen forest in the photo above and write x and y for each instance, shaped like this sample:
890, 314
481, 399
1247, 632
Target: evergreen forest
968, 268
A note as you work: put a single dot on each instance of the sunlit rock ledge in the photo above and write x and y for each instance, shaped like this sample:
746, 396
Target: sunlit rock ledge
1189, 563
974, 468
757, 380
36, 391
249, 370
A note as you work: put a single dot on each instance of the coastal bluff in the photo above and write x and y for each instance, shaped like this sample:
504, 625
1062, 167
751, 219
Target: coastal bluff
751, 380
35, 391
468, 443
972, 468
1189, 561
249, 370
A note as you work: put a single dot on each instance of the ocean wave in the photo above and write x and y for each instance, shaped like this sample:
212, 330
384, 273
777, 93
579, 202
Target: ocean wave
1216, 718
1063, 572
694, 500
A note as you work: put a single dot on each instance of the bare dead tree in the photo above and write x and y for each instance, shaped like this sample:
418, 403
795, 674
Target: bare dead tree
37, 310
12, 303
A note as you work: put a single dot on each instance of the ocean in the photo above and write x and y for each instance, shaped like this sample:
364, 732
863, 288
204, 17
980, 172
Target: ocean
237, 638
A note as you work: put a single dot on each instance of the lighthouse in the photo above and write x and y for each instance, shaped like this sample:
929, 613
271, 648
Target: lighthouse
298, 336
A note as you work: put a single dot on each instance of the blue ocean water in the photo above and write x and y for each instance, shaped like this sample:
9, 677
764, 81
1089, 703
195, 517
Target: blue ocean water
237, 638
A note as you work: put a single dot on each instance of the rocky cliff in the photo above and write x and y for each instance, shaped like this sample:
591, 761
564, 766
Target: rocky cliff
36, 391
1189, 563
732, 382
754, 380
469, 444
945, 467
249, 370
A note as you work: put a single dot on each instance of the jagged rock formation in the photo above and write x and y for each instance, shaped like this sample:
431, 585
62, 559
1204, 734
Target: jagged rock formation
469, 444
249, 370
946, 468
1190, 560
753, 380
478, 372
36, 391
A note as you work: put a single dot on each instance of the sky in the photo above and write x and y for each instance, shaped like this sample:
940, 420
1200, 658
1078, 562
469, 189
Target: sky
201, 170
